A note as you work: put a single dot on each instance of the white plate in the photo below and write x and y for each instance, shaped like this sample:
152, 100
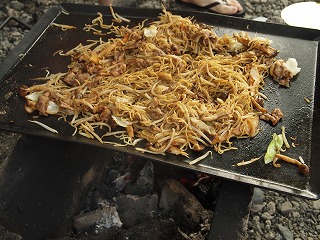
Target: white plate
303, 14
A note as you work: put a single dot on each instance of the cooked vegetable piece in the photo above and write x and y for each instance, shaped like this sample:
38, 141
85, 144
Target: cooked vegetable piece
273, 148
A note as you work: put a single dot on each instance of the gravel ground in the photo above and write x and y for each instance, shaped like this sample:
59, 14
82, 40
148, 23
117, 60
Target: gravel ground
273, 215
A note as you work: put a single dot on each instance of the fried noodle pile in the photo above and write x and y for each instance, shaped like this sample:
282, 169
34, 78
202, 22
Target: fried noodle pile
172, 82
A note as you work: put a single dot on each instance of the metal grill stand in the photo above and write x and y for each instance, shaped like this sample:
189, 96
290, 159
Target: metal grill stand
21, 23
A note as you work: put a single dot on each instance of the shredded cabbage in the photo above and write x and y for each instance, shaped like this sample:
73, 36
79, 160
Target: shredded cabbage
273, 148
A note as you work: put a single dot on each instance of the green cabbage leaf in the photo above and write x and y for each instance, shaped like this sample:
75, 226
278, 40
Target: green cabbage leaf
273, 148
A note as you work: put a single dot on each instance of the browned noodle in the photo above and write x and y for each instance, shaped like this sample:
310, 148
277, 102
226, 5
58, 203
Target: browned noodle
174, 83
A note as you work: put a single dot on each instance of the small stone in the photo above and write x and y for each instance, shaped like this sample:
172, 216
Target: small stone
256, 219
257, 228
259, 9
258, 196
269, 236
15, 34
266, 216
271, 207
295, 214
285, 232
286, 208
16, 5
267, 228
268, 222
257, 207
316, 204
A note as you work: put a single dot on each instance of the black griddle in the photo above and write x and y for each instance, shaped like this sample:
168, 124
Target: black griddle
33, 57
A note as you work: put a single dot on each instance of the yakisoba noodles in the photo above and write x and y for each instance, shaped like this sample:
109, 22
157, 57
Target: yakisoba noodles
173, 83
